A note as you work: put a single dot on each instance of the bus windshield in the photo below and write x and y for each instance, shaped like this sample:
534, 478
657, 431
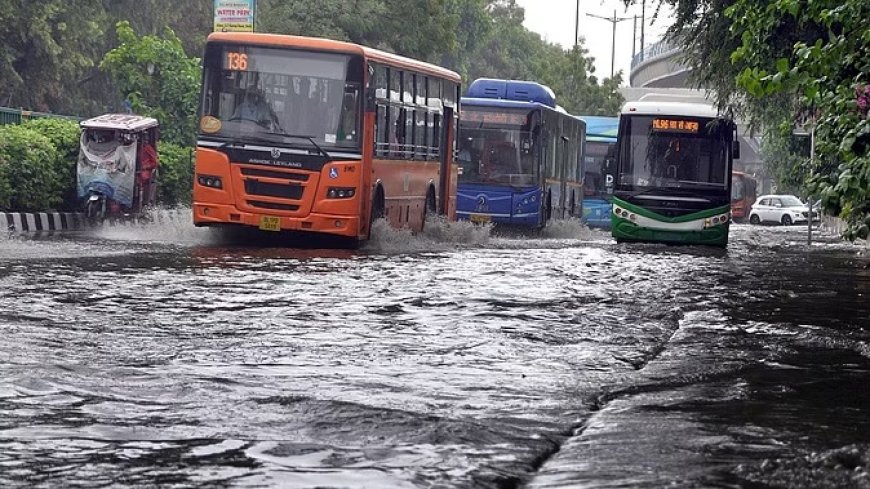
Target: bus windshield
595, 178
738, 188
497, 146
687, 153
260, 93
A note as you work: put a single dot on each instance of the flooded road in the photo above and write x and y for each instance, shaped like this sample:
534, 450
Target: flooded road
142, 356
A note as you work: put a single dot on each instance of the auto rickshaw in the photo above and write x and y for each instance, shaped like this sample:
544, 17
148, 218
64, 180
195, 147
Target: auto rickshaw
117, 165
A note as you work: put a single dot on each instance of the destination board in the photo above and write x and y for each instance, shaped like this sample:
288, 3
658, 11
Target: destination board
503, 118
676, 125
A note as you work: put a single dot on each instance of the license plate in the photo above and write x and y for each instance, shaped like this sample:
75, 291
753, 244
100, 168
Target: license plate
479, 218
269, 223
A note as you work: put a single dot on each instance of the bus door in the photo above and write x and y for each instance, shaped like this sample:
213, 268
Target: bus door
446, 173
566, 165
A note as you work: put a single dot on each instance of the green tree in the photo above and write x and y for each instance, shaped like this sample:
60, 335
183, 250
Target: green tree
159, 80
793, 62
47, 49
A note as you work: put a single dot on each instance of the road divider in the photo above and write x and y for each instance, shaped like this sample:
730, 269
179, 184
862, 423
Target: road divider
42, 221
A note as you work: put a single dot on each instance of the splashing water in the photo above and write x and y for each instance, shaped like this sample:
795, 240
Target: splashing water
568, 229
168, 225
438, 234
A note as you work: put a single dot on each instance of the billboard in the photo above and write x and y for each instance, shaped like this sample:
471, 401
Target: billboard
234, 15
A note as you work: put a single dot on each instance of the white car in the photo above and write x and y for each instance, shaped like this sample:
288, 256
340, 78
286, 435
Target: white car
781, 209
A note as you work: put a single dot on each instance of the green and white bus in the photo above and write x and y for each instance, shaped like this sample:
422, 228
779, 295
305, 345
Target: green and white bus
673, 174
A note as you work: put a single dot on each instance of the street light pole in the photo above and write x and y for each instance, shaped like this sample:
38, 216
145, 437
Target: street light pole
577, 26
614, 20
642, 24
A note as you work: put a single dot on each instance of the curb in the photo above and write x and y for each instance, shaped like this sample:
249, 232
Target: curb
42, 221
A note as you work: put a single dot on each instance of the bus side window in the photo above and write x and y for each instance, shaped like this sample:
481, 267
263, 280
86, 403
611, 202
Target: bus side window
382, 143
409, 132
400, 131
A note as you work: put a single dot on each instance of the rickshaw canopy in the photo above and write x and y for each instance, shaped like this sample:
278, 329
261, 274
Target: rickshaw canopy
121, 122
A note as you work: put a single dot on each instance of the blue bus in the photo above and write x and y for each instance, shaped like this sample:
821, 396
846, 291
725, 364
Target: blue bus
598, 169
520, 156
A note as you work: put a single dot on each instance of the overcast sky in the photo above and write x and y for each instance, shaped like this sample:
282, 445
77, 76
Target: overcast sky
554, 20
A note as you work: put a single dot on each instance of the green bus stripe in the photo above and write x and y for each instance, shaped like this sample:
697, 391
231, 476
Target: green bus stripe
673, 220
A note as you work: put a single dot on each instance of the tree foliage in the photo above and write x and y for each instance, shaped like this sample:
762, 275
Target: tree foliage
158, 79
788, 63
51, 50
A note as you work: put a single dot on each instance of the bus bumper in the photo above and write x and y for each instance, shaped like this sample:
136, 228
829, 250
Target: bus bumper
628, 231
219, 215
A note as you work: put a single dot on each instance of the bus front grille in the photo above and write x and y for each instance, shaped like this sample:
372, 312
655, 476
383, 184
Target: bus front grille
278, 190
273, 206
257, 172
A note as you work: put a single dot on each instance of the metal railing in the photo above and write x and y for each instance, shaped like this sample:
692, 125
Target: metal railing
17, 116
656, 50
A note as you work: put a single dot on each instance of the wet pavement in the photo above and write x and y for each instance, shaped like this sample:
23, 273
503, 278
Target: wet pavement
158, 355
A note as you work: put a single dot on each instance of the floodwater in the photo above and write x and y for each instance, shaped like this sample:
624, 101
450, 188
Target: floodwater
159, 355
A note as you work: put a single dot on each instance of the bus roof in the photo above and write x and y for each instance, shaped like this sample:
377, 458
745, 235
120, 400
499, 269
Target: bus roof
519, 90
600, 128
122, 122
671, 108
320, 44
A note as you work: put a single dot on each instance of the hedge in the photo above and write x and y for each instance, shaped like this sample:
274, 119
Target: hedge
31, 178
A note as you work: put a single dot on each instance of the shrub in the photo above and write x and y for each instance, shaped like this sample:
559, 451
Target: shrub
175, 178
29, 180
65, 136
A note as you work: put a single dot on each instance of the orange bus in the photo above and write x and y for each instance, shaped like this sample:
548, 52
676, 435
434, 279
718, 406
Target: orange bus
743, 195
321, 136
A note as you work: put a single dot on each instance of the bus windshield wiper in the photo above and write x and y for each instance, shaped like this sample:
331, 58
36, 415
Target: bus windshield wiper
301, 136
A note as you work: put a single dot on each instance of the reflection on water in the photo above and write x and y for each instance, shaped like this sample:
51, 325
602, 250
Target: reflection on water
153, 354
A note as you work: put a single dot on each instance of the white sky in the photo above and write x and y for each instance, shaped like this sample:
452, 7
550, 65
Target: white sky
554, 20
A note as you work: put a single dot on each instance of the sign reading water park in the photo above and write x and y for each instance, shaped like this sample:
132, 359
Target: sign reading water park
234, 15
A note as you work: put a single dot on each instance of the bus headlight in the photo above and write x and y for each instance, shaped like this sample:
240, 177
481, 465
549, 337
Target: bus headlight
340, 192
717, 220
210, 181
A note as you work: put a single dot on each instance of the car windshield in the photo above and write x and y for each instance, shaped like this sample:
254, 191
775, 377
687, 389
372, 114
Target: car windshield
790, 201
259, 93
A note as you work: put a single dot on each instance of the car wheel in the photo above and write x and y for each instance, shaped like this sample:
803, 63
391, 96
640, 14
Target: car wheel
786, 220
754, 219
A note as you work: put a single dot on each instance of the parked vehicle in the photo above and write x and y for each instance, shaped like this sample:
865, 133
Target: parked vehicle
781, 209
117, 166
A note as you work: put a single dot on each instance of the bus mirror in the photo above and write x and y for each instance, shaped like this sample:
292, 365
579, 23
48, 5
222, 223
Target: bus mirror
735, 149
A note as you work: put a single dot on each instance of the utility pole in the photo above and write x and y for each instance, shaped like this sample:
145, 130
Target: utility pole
642, 24
634, 39
577, 26
614, 20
